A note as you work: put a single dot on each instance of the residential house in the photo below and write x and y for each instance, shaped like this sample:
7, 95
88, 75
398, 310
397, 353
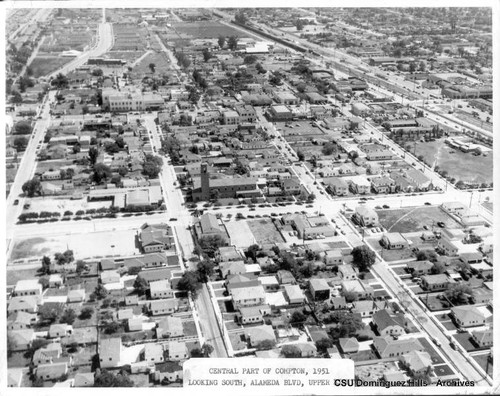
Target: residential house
164, 306
161, 289
366, 308
394, 240
155, 238
28, 287
257, 334
349, 345
359, 185
208, 225
110, 352
151, 260
247, 294
177, 351
48, 354
383, 185
483, 338
319, 289
170, 371
285, 277
334, 257
255, 314
76, 296
294, 294
365, 216
21, 339
387, 324
60, 330
84, 380
171, 326
435, 282
23, 304
469, 316
232, 268
417, 362
419, 268
347, 272
51, 371
20, 320
389, 347
153, 353
361, 290
338, 186
338, 302
455, 208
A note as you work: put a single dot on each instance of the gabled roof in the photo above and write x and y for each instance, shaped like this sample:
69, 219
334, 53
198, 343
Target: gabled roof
383, 319
348, 343
467, 313
417, 360
387, 345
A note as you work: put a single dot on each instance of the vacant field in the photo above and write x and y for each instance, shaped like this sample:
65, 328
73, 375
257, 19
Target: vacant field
265, 232
160, 60
413, 219
240, 233
13, 275
42, 66
461, 166
84, 246
207, 29
128, 56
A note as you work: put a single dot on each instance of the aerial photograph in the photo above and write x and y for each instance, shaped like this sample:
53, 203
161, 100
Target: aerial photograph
243, 183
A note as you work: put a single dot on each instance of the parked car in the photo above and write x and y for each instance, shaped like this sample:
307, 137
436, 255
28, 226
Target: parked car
386, 206
16, 202
427, 203
436, 342
441, 224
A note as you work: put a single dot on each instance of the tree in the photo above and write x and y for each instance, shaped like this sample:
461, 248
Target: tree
23, 128
265, 345
86, 313
32, 187
189, 282
112, 327
350, 296
249, 59
300, 155
205, 270
152, 67
299, 24
105, 379
20, 143
49, 312
221, 41
458, 293
93, 154
252, 251
323, 344
97, 72
428, 255
60, 81
291, 352
101, 172
68, 317
202, 352
363, 257
36, 344
16, 97
232, 43
44, 282
438, 268
151, 166
65, 257
206, 54
141, 285
210, 244
100, 292
45, 265
329, 148
297, 318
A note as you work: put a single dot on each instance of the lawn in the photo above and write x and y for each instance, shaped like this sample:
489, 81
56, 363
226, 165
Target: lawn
434, 303
13, 275
413, 219
460, 165
160, 60
265, 232
189, 328
42, 66
28, 248
237, 341
464, 339
436, 359
443, 370
482, 361
206, 29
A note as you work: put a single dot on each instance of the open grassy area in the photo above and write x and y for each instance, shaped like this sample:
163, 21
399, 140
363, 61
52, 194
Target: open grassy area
460, 165
206, 29
161, 61
265, 232
42, 66
14, 275
413, 219
28, 248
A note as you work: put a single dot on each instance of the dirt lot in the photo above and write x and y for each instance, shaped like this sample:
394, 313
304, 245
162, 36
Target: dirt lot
413, 219
265, 232
97, 244
240, 233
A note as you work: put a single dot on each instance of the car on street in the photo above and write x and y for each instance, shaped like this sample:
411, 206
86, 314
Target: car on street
172, 219
427, 203
16, 202
453, 345
436, 342
426, 227
386, 206
441, 224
